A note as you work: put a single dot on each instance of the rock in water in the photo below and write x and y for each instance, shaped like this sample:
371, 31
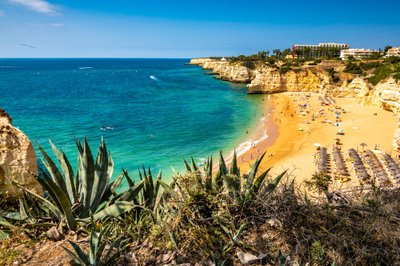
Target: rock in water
17, 159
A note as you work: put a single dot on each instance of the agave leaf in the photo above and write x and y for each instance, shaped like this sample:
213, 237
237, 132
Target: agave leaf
86, 174
22, 209
13, 216
93, 245
165, 186
110, 168
115, 210
60, 196
148, 190
253, 172
74, 257
275, 182
114, 244
208, 178
102, 244
157, 185
194, 167
255, 187
81, 256
4, 223
115, 184
217, 180
140, 175
101, 177
42, 179
3, 235
52, 168
157, 193
234, 170
188, 169
144, 172
130, 181
222, 165
132, 193
240, 231
56, 211
232, 185
67, 171
209, 167
227, 232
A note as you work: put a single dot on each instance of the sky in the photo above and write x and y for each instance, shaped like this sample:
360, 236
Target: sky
189, 28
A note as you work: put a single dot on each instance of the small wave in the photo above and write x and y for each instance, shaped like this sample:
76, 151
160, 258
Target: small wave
247, 145
154, 78
82, 68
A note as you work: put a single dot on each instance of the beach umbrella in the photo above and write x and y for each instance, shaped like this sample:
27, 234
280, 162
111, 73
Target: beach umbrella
317, 145
363, 145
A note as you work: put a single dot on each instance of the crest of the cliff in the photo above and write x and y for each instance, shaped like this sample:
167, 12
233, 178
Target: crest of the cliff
17, 159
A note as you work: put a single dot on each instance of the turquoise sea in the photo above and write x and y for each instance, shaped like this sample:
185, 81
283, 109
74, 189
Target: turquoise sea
150, 111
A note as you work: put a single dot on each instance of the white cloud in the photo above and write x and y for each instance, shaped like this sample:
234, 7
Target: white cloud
55, 25
40, 6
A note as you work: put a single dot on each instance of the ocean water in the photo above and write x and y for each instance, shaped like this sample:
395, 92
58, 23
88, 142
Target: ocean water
151, 112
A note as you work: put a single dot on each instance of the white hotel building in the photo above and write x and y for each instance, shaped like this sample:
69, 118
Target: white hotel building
357, 53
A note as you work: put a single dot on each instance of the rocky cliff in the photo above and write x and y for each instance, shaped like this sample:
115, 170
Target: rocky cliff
266, 79
17, 158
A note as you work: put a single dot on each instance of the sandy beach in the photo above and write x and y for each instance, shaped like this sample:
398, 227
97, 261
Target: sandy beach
297, 123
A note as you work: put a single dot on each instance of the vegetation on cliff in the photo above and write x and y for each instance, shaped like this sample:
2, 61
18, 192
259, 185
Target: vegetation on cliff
224, 218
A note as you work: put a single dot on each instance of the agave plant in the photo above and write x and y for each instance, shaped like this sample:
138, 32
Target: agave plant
75, 197
97, 245
241, 187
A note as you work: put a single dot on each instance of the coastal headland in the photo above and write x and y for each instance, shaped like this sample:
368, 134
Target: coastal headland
309, 108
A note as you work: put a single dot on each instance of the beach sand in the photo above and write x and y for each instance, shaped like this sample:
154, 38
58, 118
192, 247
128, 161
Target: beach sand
288, 148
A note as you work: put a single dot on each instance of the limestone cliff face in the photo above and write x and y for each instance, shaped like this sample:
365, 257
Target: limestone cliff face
199, 61
396, 137
358, 87
265, 79
17, 158
304, 80
387, 95
227, 71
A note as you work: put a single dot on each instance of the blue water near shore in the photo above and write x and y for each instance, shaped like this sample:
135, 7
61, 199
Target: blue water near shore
150, 111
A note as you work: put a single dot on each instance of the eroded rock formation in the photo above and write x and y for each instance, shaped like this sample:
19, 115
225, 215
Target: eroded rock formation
17, 158
265, 79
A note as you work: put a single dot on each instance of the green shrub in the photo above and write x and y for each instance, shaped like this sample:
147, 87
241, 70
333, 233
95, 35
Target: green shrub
396, 76
353, 68
380, 73
249, 64
370, 65
393, 60
285, 69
